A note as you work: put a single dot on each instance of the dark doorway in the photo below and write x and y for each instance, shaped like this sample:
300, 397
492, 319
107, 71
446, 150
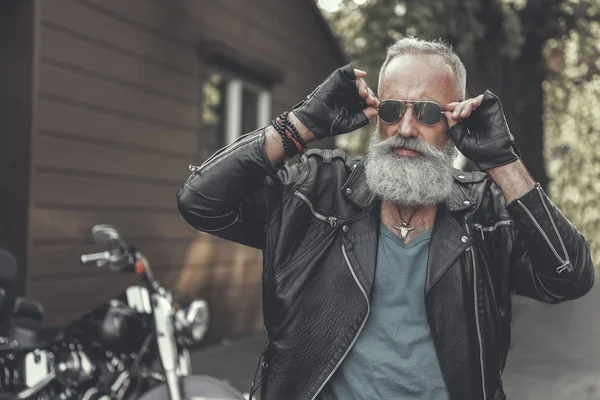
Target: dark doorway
18, 24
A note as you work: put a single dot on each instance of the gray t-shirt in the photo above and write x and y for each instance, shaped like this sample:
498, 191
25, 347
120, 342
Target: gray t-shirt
394, 356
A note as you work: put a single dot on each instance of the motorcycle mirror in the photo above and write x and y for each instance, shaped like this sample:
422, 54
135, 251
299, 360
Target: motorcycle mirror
195, 320
105, 234
197, 312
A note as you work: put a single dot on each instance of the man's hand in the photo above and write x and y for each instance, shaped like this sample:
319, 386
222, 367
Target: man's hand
341, 104
478, 128
459, 110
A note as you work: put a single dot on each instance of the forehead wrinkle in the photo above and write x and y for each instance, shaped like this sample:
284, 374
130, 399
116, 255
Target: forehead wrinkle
419, 77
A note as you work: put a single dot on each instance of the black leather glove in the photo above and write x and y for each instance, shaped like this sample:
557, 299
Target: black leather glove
484, 137
334, 107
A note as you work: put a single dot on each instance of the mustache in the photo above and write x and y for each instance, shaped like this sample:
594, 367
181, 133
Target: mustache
395, 142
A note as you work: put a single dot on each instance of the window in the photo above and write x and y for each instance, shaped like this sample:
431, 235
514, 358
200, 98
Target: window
232, 107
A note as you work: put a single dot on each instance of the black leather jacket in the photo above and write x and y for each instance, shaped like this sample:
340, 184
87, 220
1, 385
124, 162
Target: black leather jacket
317, 224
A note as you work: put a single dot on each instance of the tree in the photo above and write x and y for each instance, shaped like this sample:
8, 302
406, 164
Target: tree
572, 134
509, 46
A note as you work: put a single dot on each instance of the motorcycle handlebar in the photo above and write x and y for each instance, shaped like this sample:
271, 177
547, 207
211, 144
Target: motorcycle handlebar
119, 262
93, 258
123, 258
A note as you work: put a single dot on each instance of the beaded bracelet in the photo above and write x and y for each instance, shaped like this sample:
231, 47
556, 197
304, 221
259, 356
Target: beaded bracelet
296, 134
285, 127
288, 145
290, 136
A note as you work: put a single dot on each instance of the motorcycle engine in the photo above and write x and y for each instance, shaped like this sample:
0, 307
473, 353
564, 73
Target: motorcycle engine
72, 366
45, 374
26, 374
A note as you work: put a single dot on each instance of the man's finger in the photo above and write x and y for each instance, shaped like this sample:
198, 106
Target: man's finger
362, 87
456, 113
473, 104
370, 112
450, 119
466, 111
372, 100
359, 73
450, 106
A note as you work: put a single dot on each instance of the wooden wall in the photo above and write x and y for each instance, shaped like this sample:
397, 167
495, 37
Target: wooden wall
117, 123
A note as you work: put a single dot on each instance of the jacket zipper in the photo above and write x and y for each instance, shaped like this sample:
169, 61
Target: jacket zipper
476, 300
565, 264
194, 170
282, 273
330, 220
359, 329
568, 265
492, 228
224, 151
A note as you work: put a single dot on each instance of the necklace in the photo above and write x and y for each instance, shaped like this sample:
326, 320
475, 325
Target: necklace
405, 228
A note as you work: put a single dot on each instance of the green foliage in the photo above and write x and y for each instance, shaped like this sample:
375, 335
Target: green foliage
515, 46
504, 28
572, 142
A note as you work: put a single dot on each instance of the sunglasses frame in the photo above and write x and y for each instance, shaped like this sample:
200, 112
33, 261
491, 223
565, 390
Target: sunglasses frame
410, 104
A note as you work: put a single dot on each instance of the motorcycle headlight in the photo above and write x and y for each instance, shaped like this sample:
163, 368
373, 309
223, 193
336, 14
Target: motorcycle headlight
191, 322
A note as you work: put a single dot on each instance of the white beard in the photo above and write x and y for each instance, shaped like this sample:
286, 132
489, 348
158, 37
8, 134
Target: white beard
424, 179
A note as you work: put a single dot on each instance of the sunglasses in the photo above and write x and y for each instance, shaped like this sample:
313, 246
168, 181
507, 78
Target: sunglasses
427, 112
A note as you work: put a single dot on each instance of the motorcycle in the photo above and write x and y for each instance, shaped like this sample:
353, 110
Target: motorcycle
134, 347
24, 342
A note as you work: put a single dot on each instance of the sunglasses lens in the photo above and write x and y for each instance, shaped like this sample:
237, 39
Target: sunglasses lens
427, 113
391, 111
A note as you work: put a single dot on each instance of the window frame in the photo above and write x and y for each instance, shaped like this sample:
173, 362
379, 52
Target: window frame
233, 105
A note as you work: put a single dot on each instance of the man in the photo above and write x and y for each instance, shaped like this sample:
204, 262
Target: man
390, 277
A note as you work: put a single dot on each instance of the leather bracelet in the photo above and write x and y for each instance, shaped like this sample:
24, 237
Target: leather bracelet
290, 142
296, 134
290, 135
295, 138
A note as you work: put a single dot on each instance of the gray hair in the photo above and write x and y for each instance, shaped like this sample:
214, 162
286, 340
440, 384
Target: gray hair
412, 45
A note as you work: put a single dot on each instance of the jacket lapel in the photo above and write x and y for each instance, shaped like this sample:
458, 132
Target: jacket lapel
361, 242
445, 300
449, 238
361, 247
448, 241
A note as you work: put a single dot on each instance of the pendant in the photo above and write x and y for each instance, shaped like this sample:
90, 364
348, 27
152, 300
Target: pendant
404, 230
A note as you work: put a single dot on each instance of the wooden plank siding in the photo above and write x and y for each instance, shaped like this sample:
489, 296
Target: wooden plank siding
118, 120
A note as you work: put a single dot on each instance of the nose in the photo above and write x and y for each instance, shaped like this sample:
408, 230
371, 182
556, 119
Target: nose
408, 124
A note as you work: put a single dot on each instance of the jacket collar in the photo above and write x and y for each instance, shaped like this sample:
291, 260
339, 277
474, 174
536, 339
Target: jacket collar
356, 190
449, 238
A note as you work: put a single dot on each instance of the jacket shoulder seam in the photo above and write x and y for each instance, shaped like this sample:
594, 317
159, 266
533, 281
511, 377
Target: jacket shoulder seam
328, 156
